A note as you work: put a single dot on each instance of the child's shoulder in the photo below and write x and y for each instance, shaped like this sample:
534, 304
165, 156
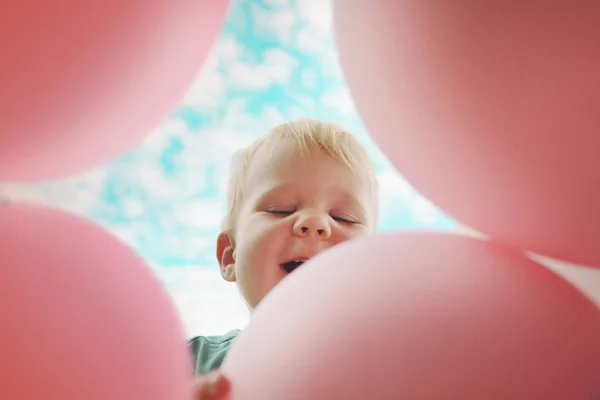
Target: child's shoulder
219, 339
209, 351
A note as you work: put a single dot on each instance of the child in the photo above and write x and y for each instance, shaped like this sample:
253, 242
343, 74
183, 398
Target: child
304, 187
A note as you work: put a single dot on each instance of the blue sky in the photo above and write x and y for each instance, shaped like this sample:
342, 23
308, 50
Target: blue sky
274, 60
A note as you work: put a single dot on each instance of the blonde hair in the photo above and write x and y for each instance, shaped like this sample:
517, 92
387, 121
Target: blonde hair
305, 135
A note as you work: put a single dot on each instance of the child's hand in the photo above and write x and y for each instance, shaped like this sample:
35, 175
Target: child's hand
211, 386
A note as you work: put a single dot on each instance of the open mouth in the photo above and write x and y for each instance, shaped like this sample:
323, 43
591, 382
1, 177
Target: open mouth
292, 265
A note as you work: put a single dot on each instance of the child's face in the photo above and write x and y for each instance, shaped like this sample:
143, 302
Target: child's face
294, 207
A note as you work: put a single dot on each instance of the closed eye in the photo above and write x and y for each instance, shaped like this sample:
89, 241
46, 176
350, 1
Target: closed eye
280, 212
344, 220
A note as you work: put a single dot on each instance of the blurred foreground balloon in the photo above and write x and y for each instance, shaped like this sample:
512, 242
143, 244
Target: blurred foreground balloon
424, 316
489, 108
83, 81
82, 317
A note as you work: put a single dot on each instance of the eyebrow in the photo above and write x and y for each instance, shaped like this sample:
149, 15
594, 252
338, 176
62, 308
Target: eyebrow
271, 191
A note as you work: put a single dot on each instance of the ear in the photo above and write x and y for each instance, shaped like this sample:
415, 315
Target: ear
226, 257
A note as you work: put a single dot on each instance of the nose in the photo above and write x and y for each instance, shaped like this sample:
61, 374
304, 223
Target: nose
314, 225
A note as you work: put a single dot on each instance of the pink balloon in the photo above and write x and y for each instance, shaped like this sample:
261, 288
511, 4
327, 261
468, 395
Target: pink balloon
82, 317
84, 81
419, 316
489, 109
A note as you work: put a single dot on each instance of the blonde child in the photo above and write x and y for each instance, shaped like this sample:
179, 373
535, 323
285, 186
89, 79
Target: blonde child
301, 189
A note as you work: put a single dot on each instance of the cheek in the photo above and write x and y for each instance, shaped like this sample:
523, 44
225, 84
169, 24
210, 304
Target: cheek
265, 228
351, 233
262, 236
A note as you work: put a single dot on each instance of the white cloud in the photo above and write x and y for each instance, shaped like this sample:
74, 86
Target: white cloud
277, 3
78, 195
317, 23
394, 186
271, 116
228, 64
154, 180
309, 79
317, 15
340, 100
200, 214
277, 67
424, 211
160, 138
228, 49
133, 208
194, 246
307, 42
209, 88
395, 192
207, 304
280, 23
128, 235
146, 173
280, 63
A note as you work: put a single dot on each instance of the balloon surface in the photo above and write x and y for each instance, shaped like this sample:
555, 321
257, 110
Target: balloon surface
84, 81
489, 109
404, 315
82, 317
